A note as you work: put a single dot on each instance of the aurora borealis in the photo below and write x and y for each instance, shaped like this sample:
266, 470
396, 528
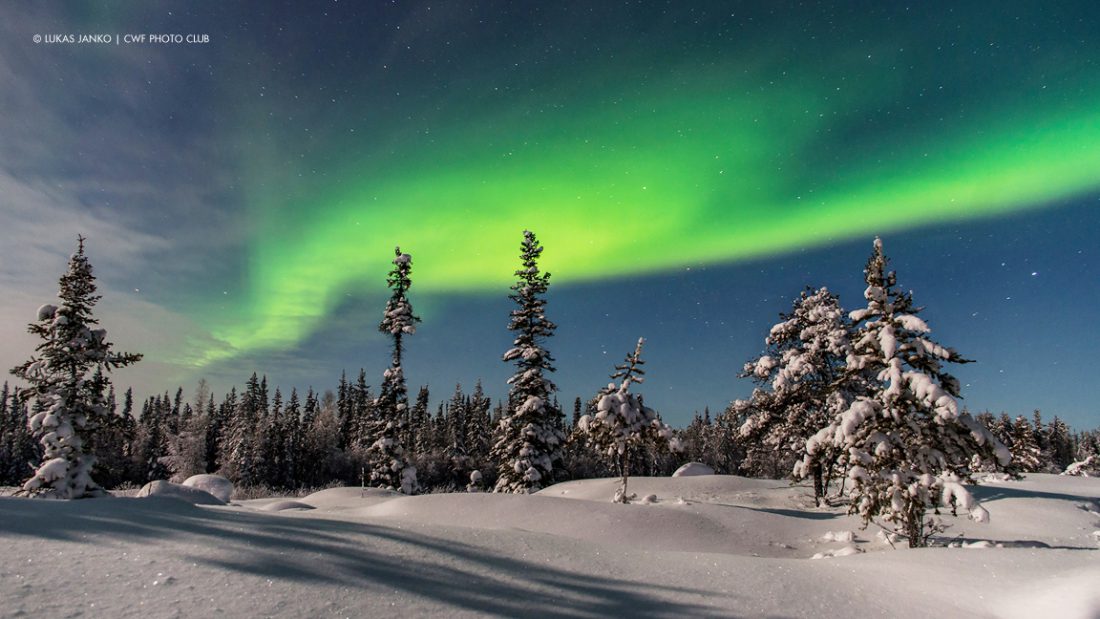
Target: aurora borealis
730, 152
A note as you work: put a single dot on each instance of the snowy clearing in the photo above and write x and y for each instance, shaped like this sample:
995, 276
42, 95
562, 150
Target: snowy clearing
706, 546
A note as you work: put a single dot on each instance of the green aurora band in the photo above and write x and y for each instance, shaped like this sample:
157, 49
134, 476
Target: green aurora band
690, 170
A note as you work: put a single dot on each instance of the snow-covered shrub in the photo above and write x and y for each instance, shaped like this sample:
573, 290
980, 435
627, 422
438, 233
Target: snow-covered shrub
1089, 467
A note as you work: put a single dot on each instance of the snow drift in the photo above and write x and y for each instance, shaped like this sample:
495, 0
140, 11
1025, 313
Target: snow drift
706, 546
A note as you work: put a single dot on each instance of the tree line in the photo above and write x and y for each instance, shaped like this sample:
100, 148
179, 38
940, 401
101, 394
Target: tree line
863, 399
302, 441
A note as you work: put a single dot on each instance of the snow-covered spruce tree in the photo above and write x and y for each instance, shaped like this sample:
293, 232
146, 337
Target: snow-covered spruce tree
478, 427
622, 422
799, 386
527, 442
1024, 449
62, 380
908, 445
390, 466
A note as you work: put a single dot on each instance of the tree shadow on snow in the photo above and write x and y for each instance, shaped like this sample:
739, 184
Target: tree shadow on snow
994, 492
381, 560
795, 513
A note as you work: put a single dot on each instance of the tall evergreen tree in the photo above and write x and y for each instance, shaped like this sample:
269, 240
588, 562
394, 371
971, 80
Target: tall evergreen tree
390, 466
345, 409
292, 443
478, 428
421, 429
1060, 439
908, 444
362, 410
239, 458
528, 442
60, 378
1025, 452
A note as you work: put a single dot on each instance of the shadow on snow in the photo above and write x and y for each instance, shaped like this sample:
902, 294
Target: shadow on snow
379, 559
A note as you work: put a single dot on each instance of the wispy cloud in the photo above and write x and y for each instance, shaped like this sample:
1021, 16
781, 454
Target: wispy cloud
101, 142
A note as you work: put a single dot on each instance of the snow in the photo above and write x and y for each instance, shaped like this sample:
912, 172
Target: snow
279, 506
693, 468
167, 489
216, 485
711, 545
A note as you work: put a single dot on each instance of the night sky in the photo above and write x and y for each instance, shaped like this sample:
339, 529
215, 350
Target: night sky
689, 166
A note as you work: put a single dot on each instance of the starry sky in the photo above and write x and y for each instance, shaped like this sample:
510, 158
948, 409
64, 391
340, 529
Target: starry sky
689, 166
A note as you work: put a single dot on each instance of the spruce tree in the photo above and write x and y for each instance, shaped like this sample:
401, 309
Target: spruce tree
908, 445
623, 424
70, 401
421, 430
799, 387
292, 442
390, 466
478, 428
528, 443
1025, 451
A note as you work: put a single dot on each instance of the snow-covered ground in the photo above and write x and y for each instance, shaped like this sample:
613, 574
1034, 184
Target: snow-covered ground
699, 546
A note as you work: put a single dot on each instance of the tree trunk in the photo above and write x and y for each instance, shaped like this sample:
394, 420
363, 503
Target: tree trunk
819, 484
914, 521
624, 464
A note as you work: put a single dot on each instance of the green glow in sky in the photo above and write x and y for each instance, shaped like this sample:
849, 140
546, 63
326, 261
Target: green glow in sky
698, 169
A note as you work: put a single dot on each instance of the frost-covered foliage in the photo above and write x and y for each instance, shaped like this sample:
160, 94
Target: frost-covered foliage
399, 318
242, 457
799, 385
67, 383
622, 421
528, 440
1024, 448
906, 441
1089, 467
389, 465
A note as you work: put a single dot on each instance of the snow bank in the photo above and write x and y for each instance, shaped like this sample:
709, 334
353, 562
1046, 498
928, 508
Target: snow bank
348, 498
692, 469
279, 506
167, 489
216, 485
738, 547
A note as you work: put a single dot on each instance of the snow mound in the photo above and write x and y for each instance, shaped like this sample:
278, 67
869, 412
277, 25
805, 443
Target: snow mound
837, 536
216, 485
194, 496
339, 499
1073, 595
844, 551
719, 489
279, 506
691, 469
664, 525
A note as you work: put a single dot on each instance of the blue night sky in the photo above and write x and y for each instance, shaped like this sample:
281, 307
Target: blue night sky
689, 166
